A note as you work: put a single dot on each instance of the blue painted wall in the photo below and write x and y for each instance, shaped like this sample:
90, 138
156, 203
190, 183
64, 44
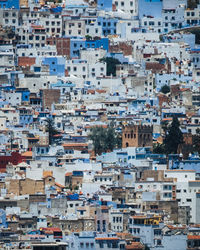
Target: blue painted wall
150, 8
56, 65
25, 94
104, 5
108, 25
102, 43
3, 222
76, 44
8, 4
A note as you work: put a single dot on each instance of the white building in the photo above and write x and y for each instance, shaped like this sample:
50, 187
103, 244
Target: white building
186, 190
73, 27
128, 6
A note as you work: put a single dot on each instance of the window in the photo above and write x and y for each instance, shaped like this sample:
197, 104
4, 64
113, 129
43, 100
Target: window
167, 195
101, 244
159, 242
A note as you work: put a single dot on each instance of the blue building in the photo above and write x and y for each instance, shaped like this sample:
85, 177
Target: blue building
108, 25
76, 44
56, 65
65, 87
25, 116
104, 5
119, 56
25, 94
3, 222
101, 43
13, 77
8, 4
150, 8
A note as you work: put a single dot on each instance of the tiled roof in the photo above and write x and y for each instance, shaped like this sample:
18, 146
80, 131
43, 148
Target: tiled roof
107, 238
193, 237
27, 154
135, 245
47, 173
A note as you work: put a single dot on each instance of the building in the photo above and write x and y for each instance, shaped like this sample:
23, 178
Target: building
137, 136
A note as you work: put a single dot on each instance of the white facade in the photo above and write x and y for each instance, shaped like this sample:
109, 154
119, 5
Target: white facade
128, 6
52, 24
152, 24
92, 55
75, 27
173, 18
185, 191
36, 83
85, 70
14, 99
9, 18
126, 26
173, 4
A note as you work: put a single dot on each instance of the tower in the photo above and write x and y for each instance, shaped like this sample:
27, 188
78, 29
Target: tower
137, 136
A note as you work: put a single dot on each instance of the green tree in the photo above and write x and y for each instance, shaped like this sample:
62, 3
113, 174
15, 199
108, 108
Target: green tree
97, 136
193, 4
159, 149
196, 141
104, 139
110, 65
50, 128
88, 37
173, 138
165, 89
